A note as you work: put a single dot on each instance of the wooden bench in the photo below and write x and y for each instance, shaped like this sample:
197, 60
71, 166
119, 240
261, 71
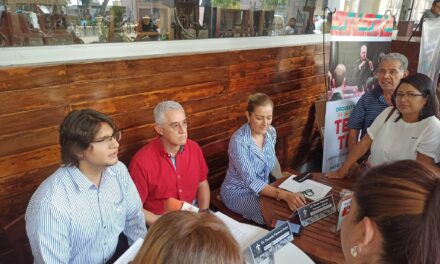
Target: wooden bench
217, 205
15, 233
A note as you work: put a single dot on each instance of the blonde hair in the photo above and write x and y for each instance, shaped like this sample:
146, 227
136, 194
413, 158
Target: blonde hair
258, 99
186, 238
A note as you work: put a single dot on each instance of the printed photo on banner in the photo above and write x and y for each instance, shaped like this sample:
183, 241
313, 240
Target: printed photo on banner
353, 68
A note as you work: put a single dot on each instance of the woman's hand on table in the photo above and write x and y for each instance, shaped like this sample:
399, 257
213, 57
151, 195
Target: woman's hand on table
293, 200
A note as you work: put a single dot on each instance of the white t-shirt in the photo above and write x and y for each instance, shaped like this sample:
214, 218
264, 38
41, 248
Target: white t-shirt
401, 140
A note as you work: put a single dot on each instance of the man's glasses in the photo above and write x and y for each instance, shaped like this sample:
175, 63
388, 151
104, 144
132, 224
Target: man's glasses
308, 192
409, 96
107, 139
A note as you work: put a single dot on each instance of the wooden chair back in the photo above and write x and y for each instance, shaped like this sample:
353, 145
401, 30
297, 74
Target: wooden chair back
17, 238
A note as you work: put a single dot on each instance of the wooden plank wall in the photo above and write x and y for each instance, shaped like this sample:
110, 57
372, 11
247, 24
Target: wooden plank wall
213, 89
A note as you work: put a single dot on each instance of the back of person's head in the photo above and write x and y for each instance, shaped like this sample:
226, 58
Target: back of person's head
426, 87
164, 106
182, 237
371, 83
336, 96
403, 199
397, 57
258, 99
77, 131
340, 73
292, 21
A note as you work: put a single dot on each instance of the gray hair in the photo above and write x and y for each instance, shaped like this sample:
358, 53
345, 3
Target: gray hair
162, 108
398, 57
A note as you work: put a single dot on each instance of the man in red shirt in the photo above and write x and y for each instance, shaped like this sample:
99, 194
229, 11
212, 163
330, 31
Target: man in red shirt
171, 165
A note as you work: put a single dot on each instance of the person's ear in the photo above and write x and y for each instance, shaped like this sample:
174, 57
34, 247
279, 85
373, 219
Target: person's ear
405, 74
248, 116
343, 82
370, 233
159, 129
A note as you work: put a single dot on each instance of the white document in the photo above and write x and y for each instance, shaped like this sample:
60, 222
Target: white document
131, 252
343, 211
246, 234
189, 207
319, 190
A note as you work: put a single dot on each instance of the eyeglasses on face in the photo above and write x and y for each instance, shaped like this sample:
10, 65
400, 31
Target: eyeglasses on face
107, 139
409, 96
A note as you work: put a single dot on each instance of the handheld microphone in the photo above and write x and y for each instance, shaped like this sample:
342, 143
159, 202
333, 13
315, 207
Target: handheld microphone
172, 204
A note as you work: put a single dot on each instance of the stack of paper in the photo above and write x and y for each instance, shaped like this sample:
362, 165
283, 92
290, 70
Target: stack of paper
131, 252
244, 234
247, 234
319, 190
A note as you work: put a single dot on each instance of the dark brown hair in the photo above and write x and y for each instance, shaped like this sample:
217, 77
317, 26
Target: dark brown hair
403, 199
185, 238
78, 130
258, 99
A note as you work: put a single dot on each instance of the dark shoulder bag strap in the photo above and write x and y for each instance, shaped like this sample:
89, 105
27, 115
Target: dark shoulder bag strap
390, 114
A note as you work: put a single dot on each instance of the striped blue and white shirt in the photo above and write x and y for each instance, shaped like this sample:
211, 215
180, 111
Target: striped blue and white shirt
248, 172
369, 106
70, 220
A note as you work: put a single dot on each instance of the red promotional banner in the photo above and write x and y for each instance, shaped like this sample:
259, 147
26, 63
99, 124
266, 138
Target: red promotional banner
362, 25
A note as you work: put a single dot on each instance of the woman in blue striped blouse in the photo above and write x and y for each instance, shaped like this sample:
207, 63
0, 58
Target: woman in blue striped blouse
251, 159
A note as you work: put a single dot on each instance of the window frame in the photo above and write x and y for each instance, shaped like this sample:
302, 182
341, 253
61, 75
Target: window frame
74, 53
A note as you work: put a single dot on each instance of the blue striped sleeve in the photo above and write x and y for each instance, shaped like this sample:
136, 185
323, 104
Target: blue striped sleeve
48, 233
357, 116
240, 159
135, 222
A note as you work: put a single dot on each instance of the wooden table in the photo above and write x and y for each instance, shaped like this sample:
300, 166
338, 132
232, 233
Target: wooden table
319, 239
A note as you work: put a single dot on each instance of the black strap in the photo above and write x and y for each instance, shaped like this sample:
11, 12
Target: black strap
390, 114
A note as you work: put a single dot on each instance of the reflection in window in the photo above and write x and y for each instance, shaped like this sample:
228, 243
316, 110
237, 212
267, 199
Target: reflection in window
413, 10
56, 22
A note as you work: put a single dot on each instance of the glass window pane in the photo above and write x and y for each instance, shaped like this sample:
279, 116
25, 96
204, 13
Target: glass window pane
60, 22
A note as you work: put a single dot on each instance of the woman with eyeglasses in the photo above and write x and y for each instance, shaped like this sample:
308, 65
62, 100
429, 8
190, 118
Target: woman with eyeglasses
410, 129
251, 160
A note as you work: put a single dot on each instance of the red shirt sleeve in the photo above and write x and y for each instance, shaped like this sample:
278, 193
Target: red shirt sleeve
202, 163
139, 175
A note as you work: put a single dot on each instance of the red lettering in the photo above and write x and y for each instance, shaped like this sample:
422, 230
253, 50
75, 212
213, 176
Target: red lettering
341, 125
338, 123
343, 141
